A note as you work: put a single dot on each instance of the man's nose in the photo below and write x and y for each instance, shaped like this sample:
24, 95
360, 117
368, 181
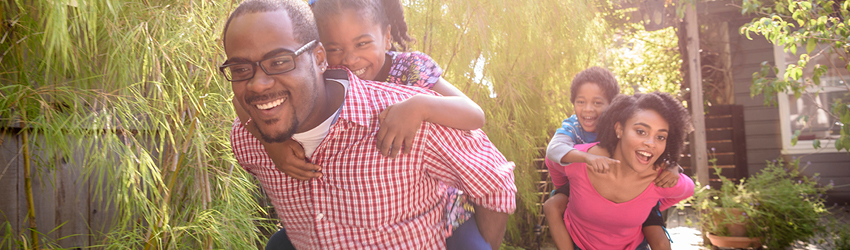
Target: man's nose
260, 82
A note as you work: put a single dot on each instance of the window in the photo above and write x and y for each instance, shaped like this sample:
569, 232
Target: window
806, 113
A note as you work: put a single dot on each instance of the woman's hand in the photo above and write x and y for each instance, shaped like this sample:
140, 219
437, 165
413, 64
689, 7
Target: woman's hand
399, 123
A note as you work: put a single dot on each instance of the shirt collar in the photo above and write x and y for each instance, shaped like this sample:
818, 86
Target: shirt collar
357, 106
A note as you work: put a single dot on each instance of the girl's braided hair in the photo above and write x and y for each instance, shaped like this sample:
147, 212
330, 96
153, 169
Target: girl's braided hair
388, 13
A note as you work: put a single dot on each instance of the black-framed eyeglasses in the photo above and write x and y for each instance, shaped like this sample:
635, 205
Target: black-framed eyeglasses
271, 66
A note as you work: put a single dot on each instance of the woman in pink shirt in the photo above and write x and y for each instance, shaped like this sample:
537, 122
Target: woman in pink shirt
607, 209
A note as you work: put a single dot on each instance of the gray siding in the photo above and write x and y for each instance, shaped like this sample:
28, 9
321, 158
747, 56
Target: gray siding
762, 122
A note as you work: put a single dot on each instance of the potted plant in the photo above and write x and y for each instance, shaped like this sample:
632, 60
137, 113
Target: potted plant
775, 208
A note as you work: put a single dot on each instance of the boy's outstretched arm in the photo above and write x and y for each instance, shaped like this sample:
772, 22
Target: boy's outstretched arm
561, 149
554, 209
400, 121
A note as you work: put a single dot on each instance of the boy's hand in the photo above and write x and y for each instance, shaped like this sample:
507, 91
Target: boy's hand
291, 161
669, 177
398, 125
600, 164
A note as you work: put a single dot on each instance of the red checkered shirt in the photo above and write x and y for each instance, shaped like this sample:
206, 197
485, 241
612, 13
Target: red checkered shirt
368, 201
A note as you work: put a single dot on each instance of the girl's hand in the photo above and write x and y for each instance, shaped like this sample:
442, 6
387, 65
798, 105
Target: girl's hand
599, 164
399, 123
291, 161
669, 177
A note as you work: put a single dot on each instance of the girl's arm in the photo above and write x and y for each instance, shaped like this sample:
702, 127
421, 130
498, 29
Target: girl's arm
554, 209
454, 109
400, 121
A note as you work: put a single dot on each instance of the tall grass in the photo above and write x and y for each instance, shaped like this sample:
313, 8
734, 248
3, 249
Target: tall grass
134, 87
516, 59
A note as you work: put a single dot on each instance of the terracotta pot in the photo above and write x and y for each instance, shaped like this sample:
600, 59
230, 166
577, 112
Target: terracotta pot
735, 229
734, 242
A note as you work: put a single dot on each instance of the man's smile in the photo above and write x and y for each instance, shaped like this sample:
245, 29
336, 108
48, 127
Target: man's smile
270, 105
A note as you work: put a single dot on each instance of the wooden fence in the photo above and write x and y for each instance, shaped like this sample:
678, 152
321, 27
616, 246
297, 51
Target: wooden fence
61, 196
727, 144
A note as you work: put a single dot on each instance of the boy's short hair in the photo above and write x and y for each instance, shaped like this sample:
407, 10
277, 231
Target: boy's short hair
599, 75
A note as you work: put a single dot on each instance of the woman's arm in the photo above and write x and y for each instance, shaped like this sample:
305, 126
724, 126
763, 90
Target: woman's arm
554, 209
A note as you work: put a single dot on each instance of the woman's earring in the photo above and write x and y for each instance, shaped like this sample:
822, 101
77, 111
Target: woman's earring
618, 136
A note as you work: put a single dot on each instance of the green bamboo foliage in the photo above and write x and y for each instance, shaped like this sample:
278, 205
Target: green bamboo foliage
130, 92
516, 59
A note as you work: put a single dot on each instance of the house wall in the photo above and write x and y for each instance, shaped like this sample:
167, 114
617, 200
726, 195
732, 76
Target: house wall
762, 122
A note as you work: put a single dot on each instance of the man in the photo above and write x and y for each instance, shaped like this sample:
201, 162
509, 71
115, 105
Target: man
363, 200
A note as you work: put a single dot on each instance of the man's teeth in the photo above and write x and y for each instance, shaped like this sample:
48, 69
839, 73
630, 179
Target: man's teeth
360, 71
271, 104
644, 153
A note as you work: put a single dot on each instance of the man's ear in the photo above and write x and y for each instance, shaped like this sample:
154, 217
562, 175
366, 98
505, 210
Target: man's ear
321, 57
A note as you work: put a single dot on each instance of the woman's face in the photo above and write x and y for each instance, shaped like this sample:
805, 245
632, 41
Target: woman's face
353, 40
643, 138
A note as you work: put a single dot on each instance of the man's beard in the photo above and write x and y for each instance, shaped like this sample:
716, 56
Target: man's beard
294, 125
280, 138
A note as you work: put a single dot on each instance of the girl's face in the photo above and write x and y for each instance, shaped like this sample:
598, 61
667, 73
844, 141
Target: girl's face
589, 103
643, 138
356, 42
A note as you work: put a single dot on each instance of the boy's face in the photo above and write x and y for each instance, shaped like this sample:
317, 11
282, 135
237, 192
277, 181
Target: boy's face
589, 104
353, 40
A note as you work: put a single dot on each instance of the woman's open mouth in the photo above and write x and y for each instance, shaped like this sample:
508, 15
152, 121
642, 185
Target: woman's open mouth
643, 156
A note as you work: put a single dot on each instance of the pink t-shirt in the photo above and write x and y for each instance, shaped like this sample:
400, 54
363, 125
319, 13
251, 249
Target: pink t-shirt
595, 222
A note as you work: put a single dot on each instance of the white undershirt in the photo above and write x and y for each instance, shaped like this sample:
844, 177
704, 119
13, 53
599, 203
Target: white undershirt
311, 139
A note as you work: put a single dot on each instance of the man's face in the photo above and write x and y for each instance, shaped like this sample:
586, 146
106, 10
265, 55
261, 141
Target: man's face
278, 104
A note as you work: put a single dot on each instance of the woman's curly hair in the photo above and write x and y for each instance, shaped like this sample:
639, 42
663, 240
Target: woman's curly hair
623, 107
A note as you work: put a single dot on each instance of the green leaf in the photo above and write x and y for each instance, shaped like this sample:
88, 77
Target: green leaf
810, 45
793, 49
816, 143
794, 137
839, 144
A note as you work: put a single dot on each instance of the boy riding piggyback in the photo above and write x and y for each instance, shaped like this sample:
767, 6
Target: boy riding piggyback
590, 93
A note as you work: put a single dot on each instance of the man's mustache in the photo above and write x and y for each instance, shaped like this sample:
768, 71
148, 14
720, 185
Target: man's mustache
250, 99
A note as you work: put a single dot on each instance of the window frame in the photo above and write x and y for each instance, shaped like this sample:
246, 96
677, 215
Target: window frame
802, 147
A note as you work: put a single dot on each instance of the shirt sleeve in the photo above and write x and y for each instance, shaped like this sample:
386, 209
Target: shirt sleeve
240, 142
414, 69
569, 127
559, 146
469, 161
683, 189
